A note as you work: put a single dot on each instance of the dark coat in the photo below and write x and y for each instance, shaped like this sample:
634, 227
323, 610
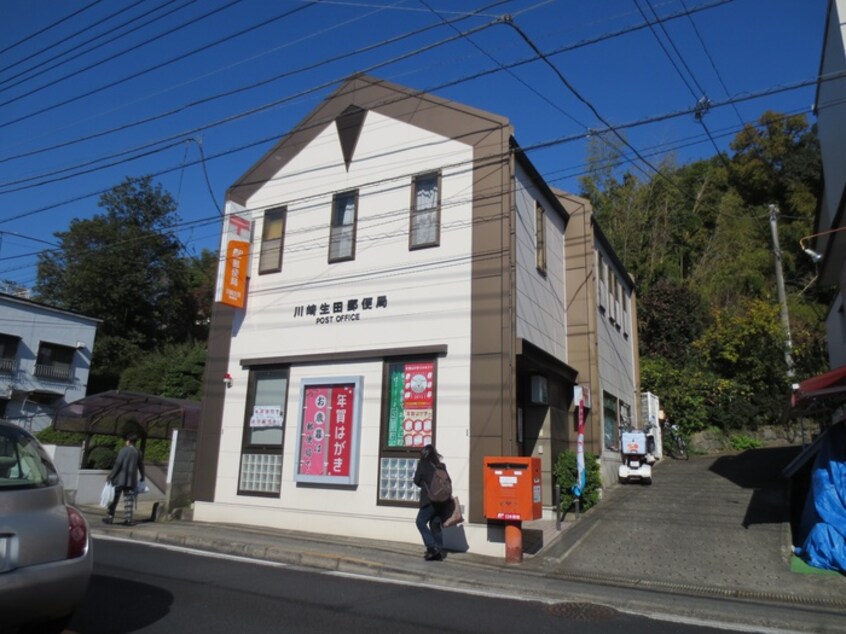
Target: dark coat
126, 469
423, 476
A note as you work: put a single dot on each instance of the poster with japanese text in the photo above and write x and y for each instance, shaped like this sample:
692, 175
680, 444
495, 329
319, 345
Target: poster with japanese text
329, 427
411, 405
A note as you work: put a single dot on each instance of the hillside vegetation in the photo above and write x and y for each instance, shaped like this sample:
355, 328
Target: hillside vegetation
697, 240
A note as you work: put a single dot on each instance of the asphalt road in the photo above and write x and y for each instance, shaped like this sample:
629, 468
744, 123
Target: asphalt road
152, 589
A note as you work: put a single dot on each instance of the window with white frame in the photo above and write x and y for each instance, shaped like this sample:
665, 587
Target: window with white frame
425, 211
272, 238
264, 432
343, 226
540, 238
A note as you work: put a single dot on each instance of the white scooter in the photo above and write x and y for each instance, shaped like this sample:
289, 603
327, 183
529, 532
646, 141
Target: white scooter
635, 455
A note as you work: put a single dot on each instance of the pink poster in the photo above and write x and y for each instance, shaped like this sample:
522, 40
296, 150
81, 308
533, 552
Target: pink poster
314, 441
341, 441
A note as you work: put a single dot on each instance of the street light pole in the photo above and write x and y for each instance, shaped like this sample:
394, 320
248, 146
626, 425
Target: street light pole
782, 298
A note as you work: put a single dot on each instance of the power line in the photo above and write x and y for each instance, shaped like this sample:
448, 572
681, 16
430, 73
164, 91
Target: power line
711, 60
243, 88
327, 84
124, 79
560, 50
32, 36
81, 52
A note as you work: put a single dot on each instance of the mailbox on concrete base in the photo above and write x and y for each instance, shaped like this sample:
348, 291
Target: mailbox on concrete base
512, 493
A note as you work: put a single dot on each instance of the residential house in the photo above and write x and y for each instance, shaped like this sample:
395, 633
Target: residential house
394, 275
601, 334
45, 358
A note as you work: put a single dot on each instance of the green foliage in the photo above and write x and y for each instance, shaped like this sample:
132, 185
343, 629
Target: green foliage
125, 266
50, 436
174, 372
566, 474
671, 317
697, 239
104, 449
101, 457
742, 442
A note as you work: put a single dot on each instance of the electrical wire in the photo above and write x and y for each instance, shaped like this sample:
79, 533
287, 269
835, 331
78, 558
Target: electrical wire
77, 51
32, 36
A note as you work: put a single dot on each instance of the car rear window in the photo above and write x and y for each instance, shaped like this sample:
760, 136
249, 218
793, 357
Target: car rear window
23, 462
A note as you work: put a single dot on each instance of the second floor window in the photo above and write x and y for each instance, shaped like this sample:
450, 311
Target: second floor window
272, 237
540, 238
342, 231
425, 211
8, 353
54, 362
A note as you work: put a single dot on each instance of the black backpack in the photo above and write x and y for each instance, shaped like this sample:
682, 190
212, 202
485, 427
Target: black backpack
440, 488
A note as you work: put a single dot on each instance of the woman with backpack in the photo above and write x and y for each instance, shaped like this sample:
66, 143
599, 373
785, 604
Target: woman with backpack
435, 501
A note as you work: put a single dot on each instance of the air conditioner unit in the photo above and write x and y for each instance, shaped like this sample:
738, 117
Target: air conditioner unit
539, 390
5, 391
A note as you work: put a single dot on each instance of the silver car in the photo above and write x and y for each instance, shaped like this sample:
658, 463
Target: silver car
46, 556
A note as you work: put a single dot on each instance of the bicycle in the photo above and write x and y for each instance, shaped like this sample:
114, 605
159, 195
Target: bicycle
677, 444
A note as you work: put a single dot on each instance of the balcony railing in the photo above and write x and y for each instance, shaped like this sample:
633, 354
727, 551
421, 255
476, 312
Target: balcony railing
7, 366
56, 372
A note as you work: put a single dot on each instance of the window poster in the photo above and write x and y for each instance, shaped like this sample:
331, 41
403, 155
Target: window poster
411, 404
330, 413
266, 416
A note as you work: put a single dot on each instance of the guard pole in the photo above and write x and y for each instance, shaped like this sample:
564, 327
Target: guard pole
513, 543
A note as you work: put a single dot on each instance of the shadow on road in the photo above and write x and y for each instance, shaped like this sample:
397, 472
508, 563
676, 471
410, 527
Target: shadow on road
760, 470
119, 606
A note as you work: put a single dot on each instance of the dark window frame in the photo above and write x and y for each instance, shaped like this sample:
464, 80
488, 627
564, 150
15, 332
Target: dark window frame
333, 227
247, 446
9, 353
540, 238
268, 243
414, 211
47, 366
386, 451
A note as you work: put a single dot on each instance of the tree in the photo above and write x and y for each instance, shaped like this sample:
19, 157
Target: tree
671, 316
123, 266
174, 372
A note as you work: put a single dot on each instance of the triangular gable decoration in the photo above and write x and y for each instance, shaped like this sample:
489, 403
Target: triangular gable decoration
349, 124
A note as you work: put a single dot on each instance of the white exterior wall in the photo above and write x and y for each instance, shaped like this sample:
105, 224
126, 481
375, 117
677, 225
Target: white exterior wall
428, 293
34, 323
616, 351
541, 315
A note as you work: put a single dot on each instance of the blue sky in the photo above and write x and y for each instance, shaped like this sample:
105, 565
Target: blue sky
94, 91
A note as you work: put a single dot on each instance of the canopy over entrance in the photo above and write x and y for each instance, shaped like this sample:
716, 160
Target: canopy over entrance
118, 413
827, 389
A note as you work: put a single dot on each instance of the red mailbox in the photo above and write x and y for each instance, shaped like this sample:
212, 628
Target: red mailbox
512, 488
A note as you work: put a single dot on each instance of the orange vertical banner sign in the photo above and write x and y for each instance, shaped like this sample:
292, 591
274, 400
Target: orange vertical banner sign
235, 273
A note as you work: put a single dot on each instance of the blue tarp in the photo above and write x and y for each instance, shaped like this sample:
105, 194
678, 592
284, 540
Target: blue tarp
824, 516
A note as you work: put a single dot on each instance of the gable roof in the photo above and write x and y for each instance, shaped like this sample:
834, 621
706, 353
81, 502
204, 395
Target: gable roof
434, 114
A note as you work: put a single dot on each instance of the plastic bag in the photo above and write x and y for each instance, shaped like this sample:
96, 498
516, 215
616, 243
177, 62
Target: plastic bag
142, 487
107, 496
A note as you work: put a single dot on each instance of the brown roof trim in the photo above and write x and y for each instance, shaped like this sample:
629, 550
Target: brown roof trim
423, 110
538, 180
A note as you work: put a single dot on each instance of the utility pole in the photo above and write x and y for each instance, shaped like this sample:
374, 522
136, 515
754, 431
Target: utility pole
782, 298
